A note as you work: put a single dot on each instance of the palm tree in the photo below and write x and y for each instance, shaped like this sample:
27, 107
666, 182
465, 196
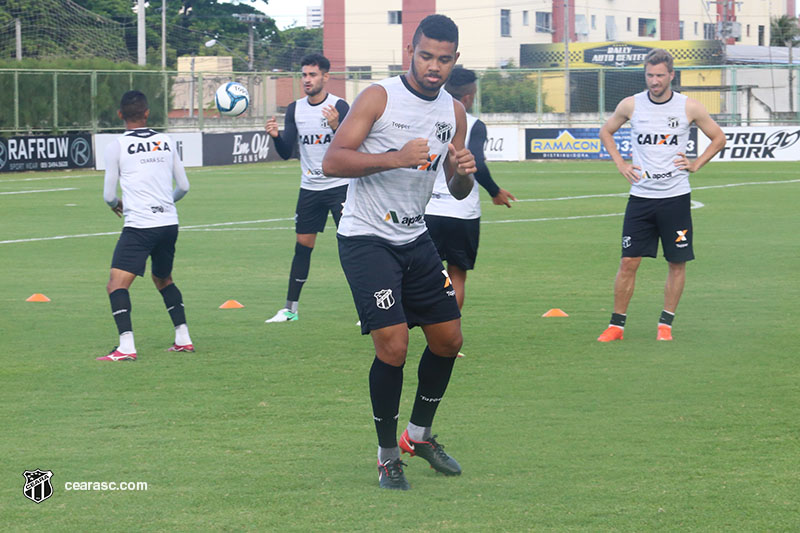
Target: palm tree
784, 31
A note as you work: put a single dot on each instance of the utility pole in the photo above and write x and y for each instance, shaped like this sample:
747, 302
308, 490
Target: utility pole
140, 30
18, 34
250, 19
566, 62
163, 34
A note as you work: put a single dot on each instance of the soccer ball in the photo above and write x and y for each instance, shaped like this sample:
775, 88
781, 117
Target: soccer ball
232, 99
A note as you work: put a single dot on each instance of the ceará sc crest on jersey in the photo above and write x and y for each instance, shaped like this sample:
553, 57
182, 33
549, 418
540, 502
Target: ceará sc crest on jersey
444, 131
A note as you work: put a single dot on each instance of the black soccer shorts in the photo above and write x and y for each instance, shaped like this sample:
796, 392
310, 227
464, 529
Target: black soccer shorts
649, 219
136, 244
456, 239
397, 284
312, 209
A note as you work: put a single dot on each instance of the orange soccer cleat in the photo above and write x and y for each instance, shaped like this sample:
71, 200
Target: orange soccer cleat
612, 333
664, 332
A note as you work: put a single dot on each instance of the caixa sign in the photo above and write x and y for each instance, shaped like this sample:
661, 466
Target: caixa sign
239, 147
767, 143
46, 152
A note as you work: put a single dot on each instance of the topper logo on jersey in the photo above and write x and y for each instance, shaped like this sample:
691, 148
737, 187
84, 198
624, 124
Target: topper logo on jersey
313, 138
444, 131
657, 138
148, 146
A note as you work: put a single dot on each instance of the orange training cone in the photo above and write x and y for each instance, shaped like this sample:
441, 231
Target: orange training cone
231, 304
554, 312
38, 297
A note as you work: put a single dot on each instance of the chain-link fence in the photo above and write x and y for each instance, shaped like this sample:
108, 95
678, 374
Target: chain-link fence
57, 101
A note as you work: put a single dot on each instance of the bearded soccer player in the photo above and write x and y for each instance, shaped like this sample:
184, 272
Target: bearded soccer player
310, 123
144, 163
659, 206
399, 134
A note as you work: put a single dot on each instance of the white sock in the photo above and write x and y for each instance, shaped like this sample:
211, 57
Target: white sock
418, 433
388, 454
126, 344
182, 335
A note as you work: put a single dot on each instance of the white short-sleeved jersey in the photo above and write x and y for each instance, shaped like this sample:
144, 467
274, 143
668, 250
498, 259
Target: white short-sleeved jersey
658, 132
144, 163
444, 204
391, 204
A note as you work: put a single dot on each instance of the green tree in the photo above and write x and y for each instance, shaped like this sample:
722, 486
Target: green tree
508, 92
292, 44
783, 31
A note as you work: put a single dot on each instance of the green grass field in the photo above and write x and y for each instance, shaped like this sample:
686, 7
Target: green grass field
268, 427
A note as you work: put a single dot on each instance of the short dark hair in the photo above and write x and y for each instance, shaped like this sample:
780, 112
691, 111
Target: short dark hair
461, 82
133, 105
437, 27
318, 60
656, 56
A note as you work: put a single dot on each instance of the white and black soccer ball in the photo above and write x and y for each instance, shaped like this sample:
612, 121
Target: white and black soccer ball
232, 99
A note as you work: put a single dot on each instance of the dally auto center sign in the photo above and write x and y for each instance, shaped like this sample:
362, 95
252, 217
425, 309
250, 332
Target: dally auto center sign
46, 152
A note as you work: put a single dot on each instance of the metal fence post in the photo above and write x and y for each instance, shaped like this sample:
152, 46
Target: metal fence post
55, 101
166, 99
735, 98
539, 96
601, 93
200, 107
16, 101
94, 101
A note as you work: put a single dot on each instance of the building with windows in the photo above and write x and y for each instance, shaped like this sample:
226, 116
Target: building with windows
368, 36
314, 16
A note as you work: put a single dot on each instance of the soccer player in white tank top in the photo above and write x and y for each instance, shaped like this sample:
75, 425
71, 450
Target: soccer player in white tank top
659, 176
310, 124
396, 137
145, 163
454, 225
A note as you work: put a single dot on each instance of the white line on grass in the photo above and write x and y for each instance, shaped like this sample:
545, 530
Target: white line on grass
41, 190
220, 226
52, 178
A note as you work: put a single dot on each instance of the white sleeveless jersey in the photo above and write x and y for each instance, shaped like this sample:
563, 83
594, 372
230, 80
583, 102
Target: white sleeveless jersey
391, 204
313, 138
147, 163
445, 204
658, 133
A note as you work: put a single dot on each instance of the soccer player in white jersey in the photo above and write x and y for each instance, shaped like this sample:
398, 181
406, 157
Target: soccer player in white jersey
454, 225
144, 163
310, 123
398, 135
659, 203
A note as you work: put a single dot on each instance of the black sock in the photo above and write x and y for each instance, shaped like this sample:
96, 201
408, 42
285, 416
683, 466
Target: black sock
434, 375
299, 272
666, 318
121, 309
618, 319
174, 302
385, 386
